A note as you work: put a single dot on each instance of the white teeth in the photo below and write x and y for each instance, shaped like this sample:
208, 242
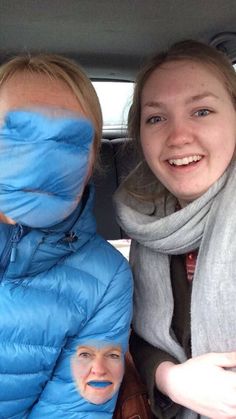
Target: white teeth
184, 161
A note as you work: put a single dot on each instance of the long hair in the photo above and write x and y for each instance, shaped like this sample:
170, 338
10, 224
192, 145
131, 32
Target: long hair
141, 182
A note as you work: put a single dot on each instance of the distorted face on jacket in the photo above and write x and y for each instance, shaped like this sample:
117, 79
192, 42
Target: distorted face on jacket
46, 143
98, 371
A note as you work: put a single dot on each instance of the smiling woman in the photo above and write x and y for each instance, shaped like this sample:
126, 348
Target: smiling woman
182, 127
178, 206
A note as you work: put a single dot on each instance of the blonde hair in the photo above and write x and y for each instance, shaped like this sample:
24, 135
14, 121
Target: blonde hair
141, 182
61, 68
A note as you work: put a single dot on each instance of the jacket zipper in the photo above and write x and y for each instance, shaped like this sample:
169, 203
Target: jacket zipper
9, 254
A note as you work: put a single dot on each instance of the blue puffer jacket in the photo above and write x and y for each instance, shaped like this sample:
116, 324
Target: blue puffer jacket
63, 285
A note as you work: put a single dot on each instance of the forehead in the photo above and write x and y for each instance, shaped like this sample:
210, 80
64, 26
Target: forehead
190, 77
25, 89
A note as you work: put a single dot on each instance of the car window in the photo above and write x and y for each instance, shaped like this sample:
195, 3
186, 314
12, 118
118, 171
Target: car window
115, 98
123, 245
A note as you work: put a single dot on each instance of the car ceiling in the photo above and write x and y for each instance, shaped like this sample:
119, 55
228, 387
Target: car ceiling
112, 38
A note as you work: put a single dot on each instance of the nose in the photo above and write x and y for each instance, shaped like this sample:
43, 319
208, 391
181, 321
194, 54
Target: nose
179, 134
98, 367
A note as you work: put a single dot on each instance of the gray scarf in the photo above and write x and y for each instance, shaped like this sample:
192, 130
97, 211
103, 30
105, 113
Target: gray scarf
209, 224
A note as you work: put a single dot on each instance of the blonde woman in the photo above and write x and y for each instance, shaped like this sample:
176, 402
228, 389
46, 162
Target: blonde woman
179, 208
61, 283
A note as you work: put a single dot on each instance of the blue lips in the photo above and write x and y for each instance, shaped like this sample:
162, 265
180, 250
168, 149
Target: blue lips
99, 384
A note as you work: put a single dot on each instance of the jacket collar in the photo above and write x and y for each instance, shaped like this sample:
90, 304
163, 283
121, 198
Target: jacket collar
45, 248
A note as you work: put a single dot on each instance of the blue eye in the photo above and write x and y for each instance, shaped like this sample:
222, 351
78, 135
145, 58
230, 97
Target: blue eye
114, 356
84, 355
202, 112
155, 119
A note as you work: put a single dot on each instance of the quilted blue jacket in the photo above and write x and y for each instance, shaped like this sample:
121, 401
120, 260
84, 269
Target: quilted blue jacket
59, 286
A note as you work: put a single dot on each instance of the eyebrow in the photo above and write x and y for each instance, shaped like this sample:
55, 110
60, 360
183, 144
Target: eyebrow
114, 348
92, 348
153, 104
195, 98
87, 348
201, 96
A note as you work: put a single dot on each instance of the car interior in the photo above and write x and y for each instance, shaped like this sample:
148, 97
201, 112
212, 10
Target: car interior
111, 40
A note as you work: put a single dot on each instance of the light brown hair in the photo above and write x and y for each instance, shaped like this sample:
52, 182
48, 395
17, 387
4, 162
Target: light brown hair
141, 182
61, 68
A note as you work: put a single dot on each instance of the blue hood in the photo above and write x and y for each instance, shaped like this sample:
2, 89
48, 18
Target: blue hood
44, 162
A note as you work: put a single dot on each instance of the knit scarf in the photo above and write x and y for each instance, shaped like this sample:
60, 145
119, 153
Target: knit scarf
209, 224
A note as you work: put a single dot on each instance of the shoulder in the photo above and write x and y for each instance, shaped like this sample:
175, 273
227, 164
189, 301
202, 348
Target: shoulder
100, 260
109, 252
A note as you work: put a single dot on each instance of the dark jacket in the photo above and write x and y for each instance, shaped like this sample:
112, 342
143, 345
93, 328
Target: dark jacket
147, 358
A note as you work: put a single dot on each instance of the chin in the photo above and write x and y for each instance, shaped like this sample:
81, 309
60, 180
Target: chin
96, 399
186, 199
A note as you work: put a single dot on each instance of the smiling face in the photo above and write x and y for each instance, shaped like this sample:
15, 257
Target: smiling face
98, 372
188, 127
